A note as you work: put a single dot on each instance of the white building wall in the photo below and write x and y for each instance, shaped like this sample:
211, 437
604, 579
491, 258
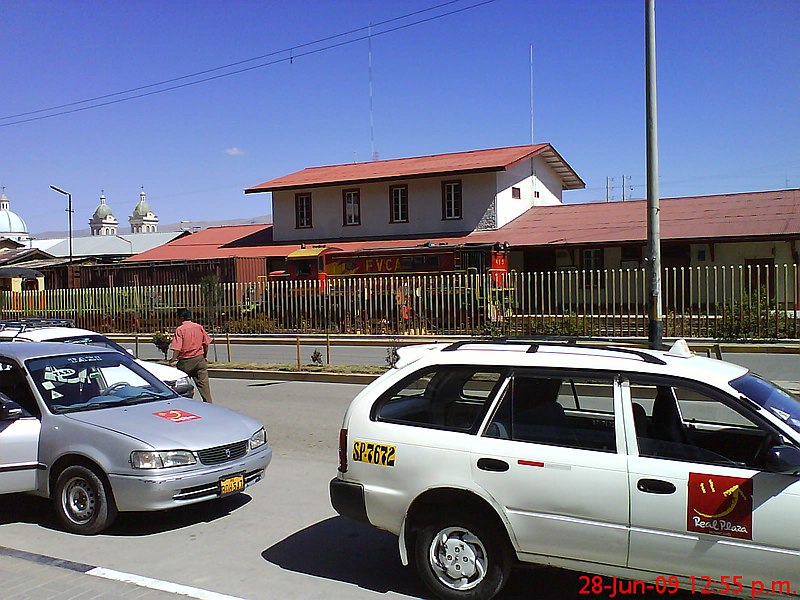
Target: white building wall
531, 176
424, 209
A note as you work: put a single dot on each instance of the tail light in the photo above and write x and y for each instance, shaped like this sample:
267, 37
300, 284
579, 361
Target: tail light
343, 451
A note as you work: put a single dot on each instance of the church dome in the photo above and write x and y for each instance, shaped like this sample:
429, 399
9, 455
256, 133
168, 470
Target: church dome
143, 207
102, 211
11, 224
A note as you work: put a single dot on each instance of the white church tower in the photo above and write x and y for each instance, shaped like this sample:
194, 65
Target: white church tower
103, 221
143, 220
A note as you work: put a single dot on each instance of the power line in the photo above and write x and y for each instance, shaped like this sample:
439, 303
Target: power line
290, 59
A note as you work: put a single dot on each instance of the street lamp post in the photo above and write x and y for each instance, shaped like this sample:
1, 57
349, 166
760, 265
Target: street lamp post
69, 211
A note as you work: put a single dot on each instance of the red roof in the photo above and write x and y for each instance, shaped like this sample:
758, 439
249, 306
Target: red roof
755, 215
476, 161
750, 215
256, 241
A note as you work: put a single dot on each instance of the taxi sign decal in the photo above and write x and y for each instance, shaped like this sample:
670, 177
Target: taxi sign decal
176, 416
720, 505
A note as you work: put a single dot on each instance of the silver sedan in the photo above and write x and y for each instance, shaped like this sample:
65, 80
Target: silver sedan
98, 434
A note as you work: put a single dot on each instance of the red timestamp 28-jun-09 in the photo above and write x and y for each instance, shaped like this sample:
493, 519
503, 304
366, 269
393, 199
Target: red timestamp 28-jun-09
724, 585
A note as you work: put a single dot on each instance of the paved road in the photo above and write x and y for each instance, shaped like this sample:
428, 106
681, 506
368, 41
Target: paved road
280, 540
779, 367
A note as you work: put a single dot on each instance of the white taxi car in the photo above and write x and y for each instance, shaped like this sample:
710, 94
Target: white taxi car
60, 330
663, 468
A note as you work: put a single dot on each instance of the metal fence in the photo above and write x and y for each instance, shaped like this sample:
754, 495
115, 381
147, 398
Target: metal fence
717, 302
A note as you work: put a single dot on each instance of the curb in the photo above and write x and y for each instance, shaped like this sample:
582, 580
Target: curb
307, 376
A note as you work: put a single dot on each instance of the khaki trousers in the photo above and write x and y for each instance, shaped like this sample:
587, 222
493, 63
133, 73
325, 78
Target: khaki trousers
197, 368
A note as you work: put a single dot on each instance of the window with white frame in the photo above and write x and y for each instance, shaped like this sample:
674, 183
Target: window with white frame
302, 211
351, 207
398, 204
451, 200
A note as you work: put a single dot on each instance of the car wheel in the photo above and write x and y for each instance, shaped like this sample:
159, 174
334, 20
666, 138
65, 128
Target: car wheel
82, 501
459, 558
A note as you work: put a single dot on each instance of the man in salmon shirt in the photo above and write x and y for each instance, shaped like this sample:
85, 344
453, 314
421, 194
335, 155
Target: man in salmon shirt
190, 349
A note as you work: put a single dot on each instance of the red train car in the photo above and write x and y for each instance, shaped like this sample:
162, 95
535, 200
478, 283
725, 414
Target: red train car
324, 262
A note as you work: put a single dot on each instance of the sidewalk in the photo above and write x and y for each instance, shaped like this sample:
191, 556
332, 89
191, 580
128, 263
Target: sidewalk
29, 576
28, 580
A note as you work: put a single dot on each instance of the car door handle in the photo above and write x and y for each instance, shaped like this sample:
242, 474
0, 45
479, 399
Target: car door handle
655, 486
492, 464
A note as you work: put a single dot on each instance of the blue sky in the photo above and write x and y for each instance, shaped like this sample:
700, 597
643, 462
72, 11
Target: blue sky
728, 93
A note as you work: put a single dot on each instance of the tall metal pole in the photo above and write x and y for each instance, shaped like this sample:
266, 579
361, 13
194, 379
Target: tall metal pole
656, 325
69, 211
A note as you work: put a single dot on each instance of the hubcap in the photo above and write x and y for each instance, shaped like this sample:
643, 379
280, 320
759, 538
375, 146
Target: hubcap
458, 558
78, 500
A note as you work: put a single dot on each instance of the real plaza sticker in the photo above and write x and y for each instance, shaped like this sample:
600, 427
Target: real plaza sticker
176, 416
720, 505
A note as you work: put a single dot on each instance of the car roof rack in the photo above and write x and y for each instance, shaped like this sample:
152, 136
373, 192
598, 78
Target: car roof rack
535, 344
27, 323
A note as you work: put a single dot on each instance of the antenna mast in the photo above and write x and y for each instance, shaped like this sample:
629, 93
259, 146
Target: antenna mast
371, 118
531, 48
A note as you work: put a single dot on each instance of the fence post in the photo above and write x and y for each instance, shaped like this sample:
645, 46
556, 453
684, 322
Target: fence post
327, 348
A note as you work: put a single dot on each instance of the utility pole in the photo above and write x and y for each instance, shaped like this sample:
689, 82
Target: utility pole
656, 325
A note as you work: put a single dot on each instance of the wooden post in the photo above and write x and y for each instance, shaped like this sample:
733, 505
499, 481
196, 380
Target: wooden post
228, 344
298, 353
328, 348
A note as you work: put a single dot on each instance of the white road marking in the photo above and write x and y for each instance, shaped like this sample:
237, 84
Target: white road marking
157, 584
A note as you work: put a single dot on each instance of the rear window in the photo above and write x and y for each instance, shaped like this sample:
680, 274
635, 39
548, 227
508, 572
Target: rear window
444, 397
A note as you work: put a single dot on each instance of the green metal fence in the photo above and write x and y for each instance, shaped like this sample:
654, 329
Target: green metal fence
717, 302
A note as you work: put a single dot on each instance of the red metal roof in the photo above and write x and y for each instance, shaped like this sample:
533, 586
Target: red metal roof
744, 216
497, 159
755, 215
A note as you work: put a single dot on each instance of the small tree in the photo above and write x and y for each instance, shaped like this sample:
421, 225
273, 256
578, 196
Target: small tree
162, 341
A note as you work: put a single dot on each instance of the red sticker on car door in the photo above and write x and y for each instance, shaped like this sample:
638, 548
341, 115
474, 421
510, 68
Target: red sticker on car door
176, 416
720, 505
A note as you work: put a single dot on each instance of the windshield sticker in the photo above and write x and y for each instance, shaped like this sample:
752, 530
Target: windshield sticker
720, 505
176, 416
84, 358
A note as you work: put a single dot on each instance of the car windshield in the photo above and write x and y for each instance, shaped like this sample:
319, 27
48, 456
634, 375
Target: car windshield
768, 395
77, 382
91, 340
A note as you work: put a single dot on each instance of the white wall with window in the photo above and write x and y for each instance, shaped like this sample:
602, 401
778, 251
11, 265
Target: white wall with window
423, 209
537, 183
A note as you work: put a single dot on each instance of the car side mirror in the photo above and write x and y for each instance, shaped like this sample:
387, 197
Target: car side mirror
783, 459
129, 351
9, 410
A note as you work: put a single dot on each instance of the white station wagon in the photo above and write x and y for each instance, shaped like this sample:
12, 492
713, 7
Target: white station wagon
663, 468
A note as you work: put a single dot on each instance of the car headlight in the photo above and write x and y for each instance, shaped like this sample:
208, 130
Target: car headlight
259, 438
151, 459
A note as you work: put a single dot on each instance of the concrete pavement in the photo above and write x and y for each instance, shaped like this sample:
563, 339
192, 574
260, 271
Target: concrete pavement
27, 576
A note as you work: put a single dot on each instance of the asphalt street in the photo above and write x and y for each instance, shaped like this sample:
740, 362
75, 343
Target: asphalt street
281, 539
777, 367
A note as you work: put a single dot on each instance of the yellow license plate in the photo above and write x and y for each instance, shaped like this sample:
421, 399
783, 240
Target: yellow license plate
375, 454
231, 485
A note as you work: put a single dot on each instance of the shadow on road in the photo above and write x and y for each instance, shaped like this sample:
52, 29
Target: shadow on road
347, 551
351, 552
21, 508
